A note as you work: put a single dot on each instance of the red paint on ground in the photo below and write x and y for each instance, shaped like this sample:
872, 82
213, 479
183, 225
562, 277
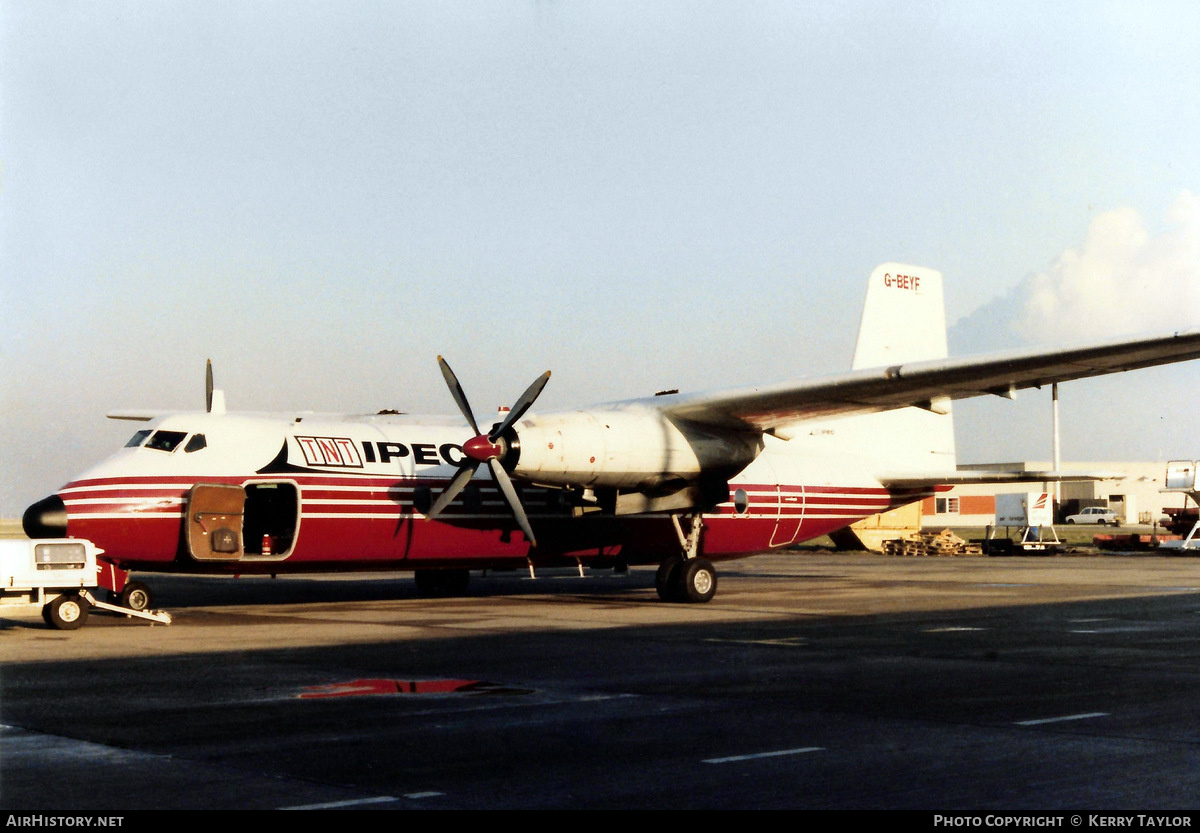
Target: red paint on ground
360, 688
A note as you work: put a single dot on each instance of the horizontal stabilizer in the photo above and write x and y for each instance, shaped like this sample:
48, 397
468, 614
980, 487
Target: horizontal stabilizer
965, 478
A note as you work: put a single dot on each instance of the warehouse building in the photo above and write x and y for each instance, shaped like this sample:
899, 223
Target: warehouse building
1133, 493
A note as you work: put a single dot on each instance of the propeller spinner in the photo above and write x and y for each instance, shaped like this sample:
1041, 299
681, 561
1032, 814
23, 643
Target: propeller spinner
487, 448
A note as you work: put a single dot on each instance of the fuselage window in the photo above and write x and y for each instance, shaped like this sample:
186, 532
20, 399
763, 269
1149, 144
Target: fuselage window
137, 439
741, 501
196, 443
166, 440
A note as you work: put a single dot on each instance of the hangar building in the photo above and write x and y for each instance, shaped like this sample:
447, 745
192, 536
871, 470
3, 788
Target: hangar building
1133, 493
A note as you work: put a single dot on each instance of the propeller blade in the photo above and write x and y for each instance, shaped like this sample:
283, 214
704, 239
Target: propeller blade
459, 481
518, 410
208, 386
510, 495
460, 398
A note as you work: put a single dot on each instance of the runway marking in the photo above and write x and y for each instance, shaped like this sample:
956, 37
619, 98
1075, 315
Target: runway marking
334, 805
1125, 629
952, 629
1085, 716
777, 754
787, 641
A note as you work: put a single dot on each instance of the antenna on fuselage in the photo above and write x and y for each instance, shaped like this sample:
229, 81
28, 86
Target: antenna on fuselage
214, 400
208, 386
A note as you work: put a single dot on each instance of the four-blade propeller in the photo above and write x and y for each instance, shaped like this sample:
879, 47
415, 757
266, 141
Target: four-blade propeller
488, 448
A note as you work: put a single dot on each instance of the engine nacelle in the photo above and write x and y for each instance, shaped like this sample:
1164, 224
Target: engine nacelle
631, 448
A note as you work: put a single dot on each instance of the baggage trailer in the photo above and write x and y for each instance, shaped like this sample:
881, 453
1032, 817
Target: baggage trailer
57, 574
1033, 514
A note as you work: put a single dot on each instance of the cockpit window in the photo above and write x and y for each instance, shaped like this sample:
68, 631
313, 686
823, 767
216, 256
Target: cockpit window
137, 439
196, 443
166, 440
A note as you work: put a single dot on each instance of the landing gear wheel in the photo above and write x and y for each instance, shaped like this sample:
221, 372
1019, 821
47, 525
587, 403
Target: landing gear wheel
136, 596
666, 580
67, 613
442, 582
699, 580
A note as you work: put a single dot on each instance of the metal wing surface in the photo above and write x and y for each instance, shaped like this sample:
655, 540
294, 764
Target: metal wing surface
923, 384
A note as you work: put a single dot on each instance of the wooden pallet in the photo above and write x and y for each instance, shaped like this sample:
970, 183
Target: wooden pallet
944, 543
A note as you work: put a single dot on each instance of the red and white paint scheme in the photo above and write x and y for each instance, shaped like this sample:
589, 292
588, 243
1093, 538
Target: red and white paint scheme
677, 480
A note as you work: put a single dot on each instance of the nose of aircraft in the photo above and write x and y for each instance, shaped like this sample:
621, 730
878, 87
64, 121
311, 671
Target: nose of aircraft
46, 519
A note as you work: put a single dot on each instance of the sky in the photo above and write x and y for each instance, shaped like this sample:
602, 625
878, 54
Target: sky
324, 196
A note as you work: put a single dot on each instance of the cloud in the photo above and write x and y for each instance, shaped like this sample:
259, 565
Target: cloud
1123, 279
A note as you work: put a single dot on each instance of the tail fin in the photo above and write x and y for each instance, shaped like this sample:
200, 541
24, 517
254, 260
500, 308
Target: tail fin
904, 319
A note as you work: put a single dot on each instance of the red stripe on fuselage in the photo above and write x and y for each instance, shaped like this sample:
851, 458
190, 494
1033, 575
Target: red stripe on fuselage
365, 522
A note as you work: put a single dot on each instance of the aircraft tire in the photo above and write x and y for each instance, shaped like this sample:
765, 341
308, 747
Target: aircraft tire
455, 581
699, 580
136, 596
667, 580
67, 613
435, 583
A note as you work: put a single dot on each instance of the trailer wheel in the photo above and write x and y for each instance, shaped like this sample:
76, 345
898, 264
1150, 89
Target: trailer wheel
67, 613
136, 596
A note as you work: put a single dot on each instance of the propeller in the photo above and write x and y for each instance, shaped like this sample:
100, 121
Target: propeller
487, 448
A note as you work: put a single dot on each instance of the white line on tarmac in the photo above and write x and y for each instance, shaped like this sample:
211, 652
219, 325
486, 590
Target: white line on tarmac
1086, 716
334, 805
953, 629
776, 754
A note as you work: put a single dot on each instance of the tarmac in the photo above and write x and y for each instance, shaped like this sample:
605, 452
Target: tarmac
814, 680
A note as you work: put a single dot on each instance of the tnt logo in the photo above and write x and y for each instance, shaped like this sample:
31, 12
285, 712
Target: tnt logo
330, 451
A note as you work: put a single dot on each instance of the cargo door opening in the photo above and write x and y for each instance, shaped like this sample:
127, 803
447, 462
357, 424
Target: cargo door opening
272, 515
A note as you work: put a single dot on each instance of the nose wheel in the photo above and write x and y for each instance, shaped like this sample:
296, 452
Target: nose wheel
136, 596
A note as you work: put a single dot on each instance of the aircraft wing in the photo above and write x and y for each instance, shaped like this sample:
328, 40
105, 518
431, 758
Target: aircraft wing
923, 384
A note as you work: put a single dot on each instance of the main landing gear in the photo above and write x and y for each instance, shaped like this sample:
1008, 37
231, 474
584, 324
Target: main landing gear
442, 583
687, 577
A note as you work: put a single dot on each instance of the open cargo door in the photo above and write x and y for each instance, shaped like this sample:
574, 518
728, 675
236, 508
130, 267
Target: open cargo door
214, 527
